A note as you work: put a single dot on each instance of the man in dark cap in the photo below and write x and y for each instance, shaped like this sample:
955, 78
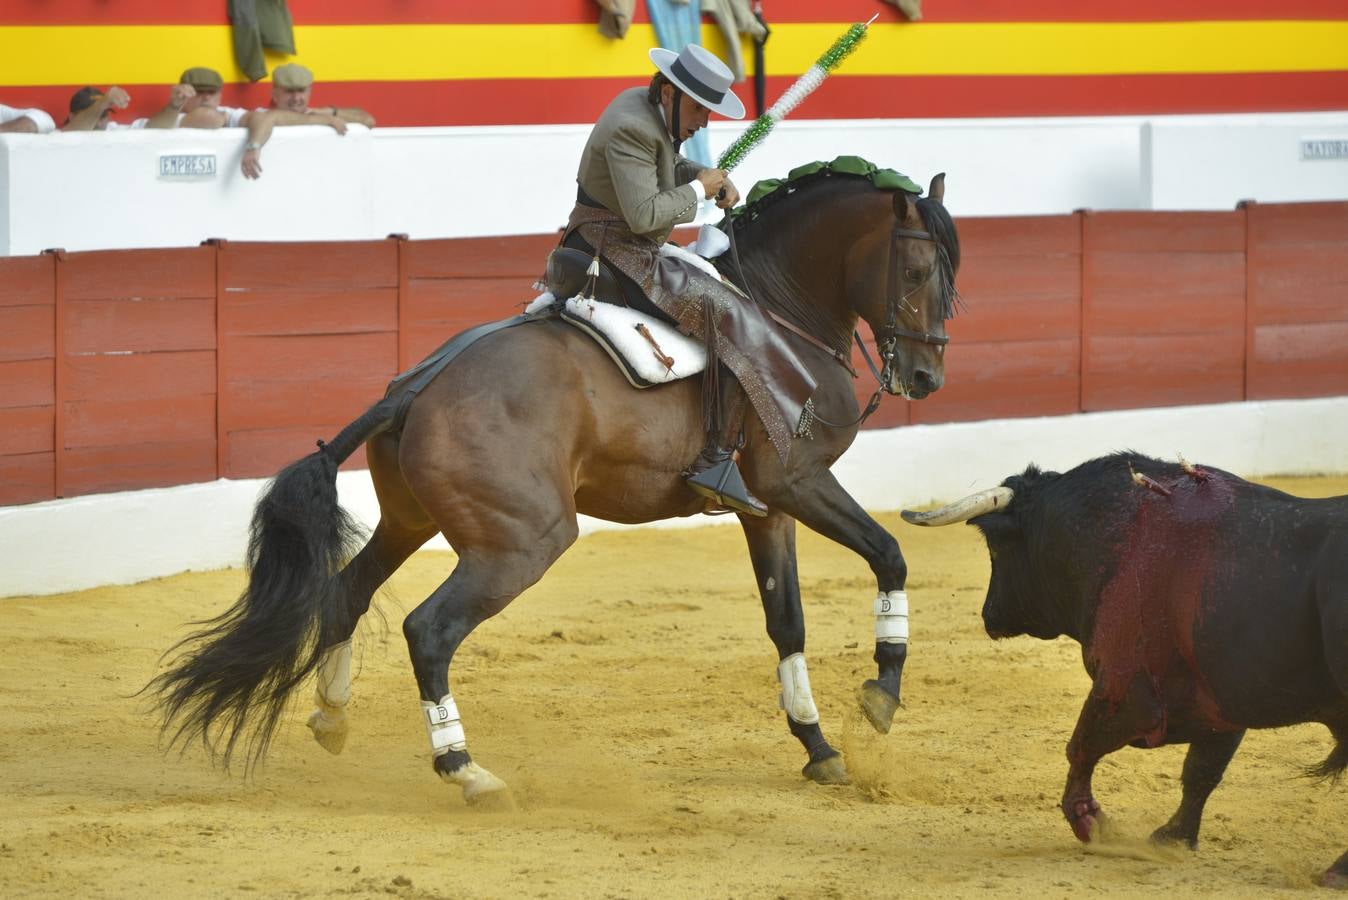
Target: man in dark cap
91, 109
292, 86
195, 103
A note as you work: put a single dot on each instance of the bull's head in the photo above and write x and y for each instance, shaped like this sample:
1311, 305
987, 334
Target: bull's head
1020, 600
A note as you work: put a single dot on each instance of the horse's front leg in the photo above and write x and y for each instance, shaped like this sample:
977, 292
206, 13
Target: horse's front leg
821, 504
772, 547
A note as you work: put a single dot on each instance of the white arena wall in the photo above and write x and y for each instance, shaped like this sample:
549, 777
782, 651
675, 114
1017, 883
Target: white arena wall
97, 191
121, 538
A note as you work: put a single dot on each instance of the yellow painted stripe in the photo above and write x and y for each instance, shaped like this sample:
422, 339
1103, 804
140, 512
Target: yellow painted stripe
157, 54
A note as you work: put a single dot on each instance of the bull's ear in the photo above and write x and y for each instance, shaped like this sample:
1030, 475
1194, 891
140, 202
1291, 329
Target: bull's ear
937, 190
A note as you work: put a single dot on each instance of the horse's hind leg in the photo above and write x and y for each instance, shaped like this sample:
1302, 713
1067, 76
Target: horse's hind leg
481, 585
387, 549
772, 547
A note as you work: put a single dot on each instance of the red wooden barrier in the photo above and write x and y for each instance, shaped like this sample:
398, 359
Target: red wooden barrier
453, 285
1015, 348
308, 340
27, 379
141, 368
1163, 302
1297, 339
136, 373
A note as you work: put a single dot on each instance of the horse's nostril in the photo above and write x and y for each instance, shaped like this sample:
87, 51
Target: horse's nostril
923, 380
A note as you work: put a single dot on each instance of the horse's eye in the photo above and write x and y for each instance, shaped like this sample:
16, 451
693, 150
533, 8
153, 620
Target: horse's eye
912, 274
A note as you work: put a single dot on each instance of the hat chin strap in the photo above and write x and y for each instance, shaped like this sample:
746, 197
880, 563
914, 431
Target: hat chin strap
674, 130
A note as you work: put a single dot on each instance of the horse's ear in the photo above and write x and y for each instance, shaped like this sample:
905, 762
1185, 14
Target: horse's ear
937, 190
903, 206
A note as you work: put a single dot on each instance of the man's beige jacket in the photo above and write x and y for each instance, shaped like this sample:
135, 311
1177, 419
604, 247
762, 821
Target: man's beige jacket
629, 165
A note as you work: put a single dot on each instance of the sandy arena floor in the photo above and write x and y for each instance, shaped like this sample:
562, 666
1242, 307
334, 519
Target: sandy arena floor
631, 702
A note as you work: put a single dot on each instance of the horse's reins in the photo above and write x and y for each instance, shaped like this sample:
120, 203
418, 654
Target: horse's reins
885, 343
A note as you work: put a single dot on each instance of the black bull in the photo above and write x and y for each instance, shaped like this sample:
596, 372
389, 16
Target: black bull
1204, 605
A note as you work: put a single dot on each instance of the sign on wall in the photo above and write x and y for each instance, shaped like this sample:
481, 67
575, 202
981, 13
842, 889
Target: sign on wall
187, 165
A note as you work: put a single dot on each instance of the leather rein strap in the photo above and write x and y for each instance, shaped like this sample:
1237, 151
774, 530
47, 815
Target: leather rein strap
801, 332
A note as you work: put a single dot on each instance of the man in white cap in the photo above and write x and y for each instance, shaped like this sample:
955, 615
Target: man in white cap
633, 187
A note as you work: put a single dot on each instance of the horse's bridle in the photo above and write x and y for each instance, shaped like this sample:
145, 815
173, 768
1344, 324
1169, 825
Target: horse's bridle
886, 339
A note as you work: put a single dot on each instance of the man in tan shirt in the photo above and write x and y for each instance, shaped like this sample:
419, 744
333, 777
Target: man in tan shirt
633, 187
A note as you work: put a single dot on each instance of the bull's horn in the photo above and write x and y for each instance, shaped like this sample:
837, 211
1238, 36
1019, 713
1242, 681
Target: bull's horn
963, 510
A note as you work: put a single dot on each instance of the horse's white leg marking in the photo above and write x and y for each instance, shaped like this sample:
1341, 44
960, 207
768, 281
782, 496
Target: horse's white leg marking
328, 721
445, 730
891, 618
796, 698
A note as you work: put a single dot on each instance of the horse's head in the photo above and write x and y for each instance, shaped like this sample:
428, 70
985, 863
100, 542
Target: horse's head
901, 280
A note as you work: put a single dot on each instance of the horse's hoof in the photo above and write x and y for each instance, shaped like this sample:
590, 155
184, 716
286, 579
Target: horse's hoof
481, 789
330, 729
878, 704
829, 770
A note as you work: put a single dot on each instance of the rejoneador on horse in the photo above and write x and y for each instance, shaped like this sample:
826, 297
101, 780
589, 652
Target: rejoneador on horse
509, 431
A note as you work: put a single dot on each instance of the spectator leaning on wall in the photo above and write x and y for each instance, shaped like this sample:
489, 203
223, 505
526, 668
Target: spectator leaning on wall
292, 86
25, 121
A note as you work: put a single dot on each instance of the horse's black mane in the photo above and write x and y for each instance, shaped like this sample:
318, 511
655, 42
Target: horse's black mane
773, 284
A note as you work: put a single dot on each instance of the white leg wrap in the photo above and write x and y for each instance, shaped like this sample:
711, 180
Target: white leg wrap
796, 698
334, 675
443, 726
891, 618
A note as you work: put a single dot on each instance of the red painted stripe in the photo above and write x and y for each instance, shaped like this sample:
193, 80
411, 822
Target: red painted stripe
354, 12
523, 101
302, 12
1057, 10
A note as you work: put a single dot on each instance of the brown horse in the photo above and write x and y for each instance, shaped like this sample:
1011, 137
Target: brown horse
533, 424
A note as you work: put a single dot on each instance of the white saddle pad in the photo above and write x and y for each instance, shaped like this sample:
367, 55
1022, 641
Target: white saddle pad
648, 351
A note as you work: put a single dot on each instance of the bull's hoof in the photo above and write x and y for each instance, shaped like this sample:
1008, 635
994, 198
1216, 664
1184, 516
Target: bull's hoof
878, 704
1169, 836
481, 789
330, 728
1336, 880
1085, 817
829, 770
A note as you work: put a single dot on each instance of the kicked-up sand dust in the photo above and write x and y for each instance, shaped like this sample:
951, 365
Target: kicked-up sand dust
630, 700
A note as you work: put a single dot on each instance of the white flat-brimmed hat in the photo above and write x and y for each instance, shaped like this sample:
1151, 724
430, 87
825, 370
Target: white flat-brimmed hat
700, 75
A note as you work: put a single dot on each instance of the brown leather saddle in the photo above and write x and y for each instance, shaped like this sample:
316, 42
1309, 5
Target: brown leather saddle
568, 273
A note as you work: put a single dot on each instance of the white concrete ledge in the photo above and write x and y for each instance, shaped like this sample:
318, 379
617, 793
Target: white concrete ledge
102, 191
121, 538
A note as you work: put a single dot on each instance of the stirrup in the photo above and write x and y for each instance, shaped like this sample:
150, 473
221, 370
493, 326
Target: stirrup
722, 483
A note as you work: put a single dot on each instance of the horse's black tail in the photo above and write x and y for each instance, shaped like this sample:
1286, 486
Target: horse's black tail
232, 678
